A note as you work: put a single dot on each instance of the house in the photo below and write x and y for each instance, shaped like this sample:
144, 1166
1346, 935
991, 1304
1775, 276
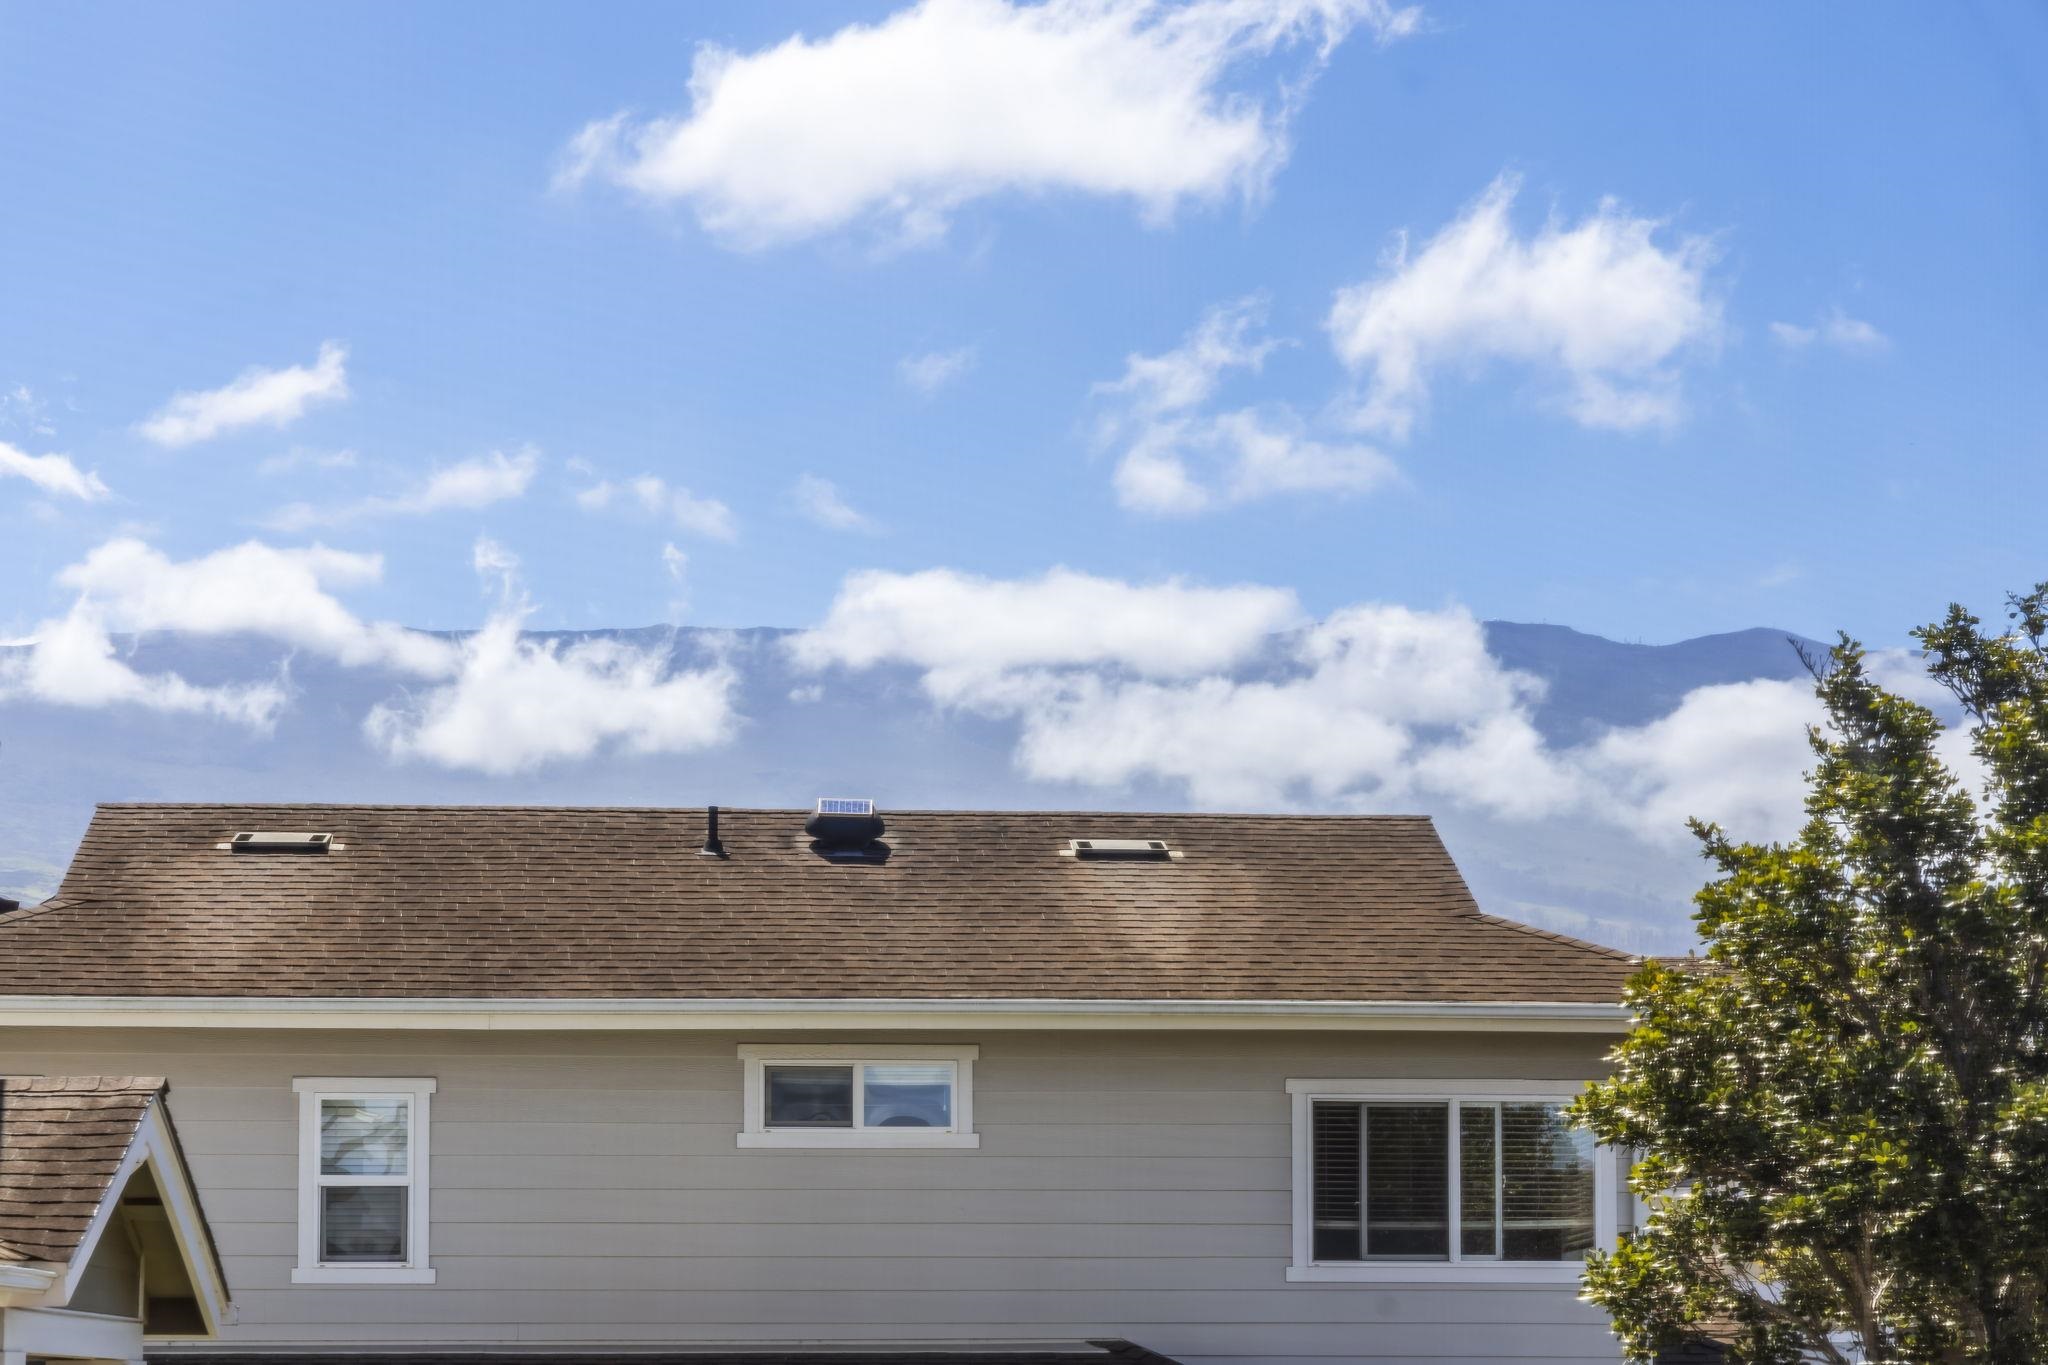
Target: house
102, 1238
766, 1085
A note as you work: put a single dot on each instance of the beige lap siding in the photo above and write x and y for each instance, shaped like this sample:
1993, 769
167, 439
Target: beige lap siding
586, 1189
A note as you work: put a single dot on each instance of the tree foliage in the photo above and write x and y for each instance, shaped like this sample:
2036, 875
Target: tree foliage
1842, 1109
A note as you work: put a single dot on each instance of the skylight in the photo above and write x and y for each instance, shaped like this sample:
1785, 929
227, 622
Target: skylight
1130, 850
280, 841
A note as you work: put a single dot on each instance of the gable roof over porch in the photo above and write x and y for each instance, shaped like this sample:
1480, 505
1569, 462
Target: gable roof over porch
98, 1214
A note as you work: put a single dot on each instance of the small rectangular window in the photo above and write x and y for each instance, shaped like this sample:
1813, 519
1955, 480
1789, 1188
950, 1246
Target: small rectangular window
362, 1181
857, 1096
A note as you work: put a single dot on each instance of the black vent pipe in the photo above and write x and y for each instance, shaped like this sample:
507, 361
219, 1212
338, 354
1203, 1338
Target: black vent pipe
712, 847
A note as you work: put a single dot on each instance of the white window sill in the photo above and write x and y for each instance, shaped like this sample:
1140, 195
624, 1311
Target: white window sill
1438, 1272
861, 1139
362, 1274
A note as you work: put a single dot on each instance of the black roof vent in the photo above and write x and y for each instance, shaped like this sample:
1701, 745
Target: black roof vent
8, 907
847, 830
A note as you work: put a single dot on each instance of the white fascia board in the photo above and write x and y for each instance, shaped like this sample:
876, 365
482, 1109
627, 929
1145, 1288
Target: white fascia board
490, 1013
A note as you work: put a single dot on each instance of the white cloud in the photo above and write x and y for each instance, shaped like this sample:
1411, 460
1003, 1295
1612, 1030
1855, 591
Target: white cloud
516, 704
1258, 454
495, 702
1836, 329
1734, 752
464, 485
1220, 693
519, 704
473, 483
250, 589
72, 661
496, 566
820, 502
1178, 458
54, 474
655, 497
963, 628
1188, 375
1599, 307
257, 397
676, 565
1376, 704
23, 409
932, 371
901, 122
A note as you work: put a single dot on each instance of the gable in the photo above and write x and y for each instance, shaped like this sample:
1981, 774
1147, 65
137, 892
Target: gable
98, 1213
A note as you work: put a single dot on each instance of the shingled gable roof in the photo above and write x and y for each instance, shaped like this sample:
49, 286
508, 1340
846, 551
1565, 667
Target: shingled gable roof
62, 1142
531, 902
82, 1156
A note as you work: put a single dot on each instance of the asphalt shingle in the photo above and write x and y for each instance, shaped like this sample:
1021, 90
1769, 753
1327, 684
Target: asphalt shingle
536, 902
62, 1140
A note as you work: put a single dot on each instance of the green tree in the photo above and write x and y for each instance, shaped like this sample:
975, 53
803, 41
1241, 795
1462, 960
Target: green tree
1842, 1108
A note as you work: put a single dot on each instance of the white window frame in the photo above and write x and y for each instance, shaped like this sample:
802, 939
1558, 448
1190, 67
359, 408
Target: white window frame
417, 1093
1455, 1269
754, 1129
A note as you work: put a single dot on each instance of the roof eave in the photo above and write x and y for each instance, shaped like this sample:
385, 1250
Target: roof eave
25, 1283
558, 1013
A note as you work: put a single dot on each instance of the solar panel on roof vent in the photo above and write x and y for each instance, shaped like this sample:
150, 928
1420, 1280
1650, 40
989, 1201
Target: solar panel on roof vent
845, 805
1140, 850
280, 841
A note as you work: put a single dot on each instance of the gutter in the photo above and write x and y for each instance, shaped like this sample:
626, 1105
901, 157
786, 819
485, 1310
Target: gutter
22, 1285
553, 1013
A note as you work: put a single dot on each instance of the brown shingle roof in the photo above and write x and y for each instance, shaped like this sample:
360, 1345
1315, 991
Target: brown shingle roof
62, 1139
425, 901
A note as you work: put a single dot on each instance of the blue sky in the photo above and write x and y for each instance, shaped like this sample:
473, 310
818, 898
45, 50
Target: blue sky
198, 191
1164, 391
